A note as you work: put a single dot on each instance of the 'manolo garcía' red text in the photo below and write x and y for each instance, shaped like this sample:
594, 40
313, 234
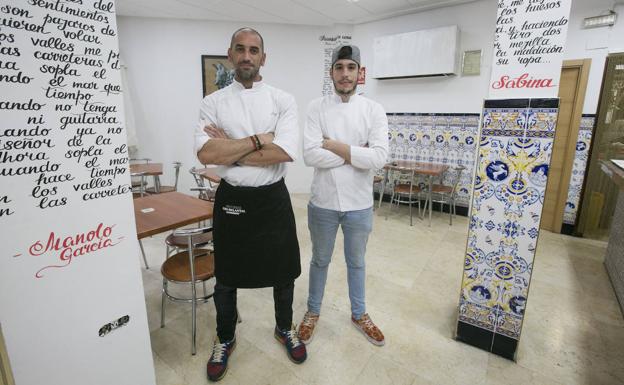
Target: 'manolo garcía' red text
522, 81
73, 246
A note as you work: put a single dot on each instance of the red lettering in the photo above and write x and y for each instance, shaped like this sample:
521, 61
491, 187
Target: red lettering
73, 246
522, 81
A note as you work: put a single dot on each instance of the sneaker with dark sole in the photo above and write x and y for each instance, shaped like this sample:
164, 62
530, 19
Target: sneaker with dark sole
295, 349
217, 364
306, 327
369, 329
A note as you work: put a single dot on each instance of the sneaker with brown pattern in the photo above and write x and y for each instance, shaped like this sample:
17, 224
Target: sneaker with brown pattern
306, 327
368, 328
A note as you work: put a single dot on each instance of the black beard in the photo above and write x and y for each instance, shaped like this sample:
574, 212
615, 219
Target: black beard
340, 92
246, 75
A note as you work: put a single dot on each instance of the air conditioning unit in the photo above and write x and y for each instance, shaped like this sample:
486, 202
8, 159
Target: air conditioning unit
428, 52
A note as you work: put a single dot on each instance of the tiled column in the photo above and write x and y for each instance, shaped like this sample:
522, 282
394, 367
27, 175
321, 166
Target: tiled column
512, 168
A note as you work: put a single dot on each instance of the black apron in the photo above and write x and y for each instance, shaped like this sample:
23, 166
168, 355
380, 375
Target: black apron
255, 237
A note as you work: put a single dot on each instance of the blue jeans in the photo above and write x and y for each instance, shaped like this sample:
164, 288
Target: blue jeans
323, 225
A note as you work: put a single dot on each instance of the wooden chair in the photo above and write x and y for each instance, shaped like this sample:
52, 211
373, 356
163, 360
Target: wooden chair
138, 180
206, 191
445, 194
404, 190
190, 266
165, 189
377, 180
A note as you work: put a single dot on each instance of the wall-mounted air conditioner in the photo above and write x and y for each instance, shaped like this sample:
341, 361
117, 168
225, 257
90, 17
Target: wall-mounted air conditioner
429, 52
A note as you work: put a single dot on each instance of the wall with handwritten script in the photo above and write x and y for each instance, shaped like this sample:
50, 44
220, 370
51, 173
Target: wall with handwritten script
71, 283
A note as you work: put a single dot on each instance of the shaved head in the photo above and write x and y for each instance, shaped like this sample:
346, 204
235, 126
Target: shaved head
247, 30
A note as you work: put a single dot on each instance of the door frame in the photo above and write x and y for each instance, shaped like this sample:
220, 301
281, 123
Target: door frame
583, 66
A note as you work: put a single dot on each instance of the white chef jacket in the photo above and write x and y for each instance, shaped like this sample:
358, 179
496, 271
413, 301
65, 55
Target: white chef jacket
242, 112
360, 122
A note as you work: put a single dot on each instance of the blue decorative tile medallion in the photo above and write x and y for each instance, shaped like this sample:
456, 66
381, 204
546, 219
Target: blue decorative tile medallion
436, 138
512, 169
578, 169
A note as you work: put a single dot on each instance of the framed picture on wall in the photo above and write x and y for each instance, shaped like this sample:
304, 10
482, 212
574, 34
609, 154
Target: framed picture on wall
217, 73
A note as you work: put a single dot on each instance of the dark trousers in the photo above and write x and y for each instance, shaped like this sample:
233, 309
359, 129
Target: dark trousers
225, 302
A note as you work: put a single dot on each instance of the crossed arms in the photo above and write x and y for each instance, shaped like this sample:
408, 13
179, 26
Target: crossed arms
321, 151
222, 150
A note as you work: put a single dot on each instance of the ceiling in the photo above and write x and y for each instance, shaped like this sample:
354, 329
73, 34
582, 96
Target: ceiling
317, 12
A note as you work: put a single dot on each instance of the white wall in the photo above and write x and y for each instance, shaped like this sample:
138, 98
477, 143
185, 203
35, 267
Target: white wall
476, 22
163, 57
164, 70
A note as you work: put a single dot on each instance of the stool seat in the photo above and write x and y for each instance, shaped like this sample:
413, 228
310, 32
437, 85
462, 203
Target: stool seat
163, 189
137, 183
182, 241
405, 189
440, 188
177, 267
377, 179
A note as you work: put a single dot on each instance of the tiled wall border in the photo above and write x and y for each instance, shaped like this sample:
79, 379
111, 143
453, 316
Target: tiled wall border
447, 138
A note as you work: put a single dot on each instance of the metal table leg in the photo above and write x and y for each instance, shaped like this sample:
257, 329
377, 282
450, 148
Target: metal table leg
383, 189
157, 184
430, 197
143, 254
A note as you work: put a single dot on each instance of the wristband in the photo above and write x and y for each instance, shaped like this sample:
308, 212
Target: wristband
257, 141
254, 142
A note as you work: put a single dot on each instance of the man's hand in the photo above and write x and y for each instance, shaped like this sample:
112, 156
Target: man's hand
266, 138
341, 149
215, 132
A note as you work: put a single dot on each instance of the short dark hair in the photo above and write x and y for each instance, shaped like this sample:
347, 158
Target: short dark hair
250, 30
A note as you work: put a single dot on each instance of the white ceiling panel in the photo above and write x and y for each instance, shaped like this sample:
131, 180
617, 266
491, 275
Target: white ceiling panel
233, 10
383, 7
289, 11
316, 12
339, 10
169, 9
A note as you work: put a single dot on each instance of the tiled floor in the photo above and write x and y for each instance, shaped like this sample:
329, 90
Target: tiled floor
573, 331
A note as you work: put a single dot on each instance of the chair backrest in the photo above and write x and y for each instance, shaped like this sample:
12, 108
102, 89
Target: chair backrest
176, 166
197, 177
140, 160
402, 176
142, 183
205, 192
190, 234
456, 177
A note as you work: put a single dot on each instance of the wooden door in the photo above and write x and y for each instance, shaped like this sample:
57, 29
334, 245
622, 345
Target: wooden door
572, 88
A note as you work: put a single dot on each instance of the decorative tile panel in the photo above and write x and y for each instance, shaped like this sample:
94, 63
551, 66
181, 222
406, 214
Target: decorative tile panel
578, 169
437, 138
512, 169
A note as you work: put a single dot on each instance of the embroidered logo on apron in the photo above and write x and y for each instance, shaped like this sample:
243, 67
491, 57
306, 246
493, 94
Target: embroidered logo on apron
234, 210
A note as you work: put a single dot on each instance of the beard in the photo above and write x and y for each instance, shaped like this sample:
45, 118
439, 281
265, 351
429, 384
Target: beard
343, 91
246, 74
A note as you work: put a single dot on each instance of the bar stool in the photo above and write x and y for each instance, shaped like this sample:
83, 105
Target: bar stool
377, 180
446, 194
403, 189
206, 192
165, 189
190, 266
138, 180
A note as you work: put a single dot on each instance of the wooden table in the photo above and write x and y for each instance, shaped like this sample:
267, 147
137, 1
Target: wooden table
431, 170
149, 169
171, 210
210, 173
